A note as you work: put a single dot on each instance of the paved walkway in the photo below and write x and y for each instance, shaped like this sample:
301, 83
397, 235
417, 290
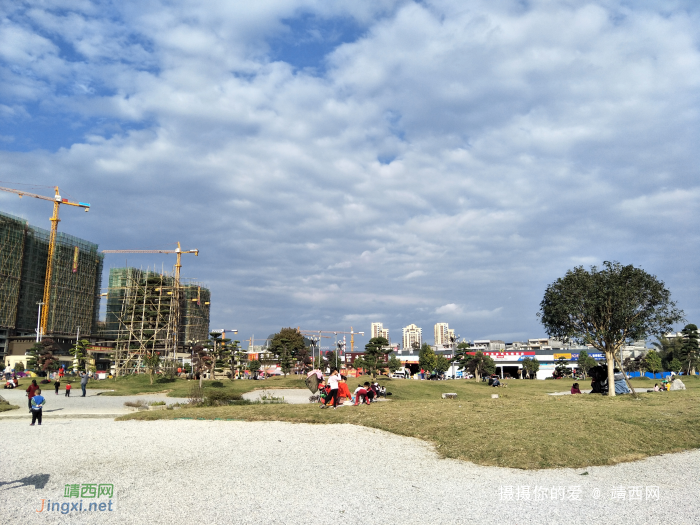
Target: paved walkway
92, 406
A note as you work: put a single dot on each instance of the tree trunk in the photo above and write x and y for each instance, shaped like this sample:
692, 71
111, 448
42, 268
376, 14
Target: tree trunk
610, 358
624, 374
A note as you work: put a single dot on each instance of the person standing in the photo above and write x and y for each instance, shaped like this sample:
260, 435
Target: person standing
31, 392
333, 380
68, 389
38, 402
57, 385
83, 383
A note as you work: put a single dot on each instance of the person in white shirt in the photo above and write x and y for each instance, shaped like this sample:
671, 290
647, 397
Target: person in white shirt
333, 380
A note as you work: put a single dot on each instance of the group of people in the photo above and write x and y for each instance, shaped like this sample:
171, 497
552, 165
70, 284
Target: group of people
11, 382
335, 390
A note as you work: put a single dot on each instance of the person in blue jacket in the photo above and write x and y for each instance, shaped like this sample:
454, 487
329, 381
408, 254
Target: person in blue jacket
38, 402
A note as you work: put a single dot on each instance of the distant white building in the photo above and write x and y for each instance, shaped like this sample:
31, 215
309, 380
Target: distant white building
489, 345
378, 330
412, 334
444, 336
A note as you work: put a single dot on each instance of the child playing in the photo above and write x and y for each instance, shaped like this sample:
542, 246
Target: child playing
360, 395
38, 402
57, 385
68, 390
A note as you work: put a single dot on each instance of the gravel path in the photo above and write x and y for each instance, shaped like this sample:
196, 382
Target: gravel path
93, 405
272, 472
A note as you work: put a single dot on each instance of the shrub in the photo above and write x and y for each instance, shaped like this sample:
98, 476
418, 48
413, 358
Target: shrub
136, 404
216, 384
157, 403
219, 397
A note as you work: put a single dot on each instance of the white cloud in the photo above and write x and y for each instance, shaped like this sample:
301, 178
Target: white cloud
443, 156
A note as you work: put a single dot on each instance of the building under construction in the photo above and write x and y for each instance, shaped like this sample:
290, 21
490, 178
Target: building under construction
74, 288
149, 311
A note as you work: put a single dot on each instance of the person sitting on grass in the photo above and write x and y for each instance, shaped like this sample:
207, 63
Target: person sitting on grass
343, 390
575, 389
496, 381
656, 387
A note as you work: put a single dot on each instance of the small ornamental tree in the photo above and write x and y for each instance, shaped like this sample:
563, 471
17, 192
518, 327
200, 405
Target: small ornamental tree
151, 361
80, 353
691, 348
254, 366
442, 364
531, 366
652, 362
675, 365
606, 308
561, 369
200, 361
585, 362
375, 350
480, 364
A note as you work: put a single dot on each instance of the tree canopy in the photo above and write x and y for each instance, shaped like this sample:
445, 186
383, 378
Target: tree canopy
607, 307
289, 347
427, 358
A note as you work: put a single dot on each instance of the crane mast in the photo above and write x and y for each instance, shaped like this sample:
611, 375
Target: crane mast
57, 201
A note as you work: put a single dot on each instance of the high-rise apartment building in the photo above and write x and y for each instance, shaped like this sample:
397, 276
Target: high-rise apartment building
412, 334
444, 336
378, 330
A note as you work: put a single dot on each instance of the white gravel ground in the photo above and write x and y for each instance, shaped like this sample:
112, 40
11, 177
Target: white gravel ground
271, 472
93, 405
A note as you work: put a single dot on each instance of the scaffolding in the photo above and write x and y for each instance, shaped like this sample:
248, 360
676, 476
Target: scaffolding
75, 281
149, 312
12, 232
195, 313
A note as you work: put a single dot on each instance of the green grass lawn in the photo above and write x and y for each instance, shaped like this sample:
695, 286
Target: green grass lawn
523, 428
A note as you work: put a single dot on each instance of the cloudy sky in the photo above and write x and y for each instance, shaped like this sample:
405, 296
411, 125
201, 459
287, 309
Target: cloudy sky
343, 162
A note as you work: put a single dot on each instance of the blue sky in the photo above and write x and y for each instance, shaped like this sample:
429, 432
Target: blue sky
339, 163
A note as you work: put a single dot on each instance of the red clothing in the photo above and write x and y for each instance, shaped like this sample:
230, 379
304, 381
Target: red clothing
30, 391
67, 387
344, 391
575, 390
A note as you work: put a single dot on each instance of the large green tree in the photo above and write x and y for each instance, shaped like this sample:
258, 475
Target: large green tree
289, 348
606, 308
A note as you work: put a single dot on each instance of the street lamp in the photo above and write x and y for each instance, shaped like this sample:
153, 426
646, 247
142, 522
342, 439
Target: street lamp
38, 324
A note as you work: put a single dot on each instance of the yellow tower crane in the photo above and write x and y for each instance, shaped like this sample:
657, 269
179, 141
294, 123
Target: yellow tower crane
177, 252
57, 201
